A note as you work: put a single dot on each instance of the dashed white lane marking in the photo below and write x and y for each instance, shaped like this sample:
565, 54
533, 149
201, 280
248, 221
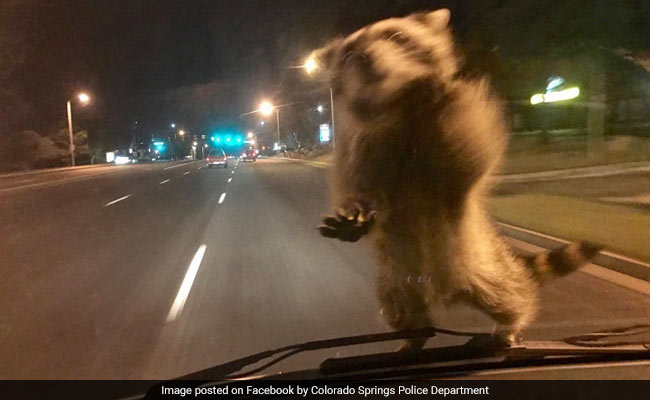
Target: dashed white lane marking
165, 181
222, 198
186, 172
110, 203
199, 167
229, 180
188, 280
232, 172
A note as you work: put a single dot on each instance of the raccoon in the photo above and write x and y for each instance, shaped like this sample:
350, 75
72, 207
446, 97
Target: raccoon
416, 148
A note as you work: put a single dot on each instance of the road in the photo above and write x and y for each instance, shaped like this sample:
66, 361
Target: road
150, 271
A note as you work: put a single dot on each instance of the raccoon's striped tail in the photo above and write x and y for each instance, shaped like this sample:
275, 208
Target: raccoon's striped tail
559, 262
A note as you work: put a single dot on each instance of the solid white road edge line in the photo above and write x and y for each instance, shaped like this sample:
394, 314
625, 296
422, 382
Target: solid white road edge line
188, 280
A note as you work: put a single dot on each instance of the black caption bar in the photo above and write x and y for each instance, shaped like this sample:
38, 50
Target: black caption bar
448, 389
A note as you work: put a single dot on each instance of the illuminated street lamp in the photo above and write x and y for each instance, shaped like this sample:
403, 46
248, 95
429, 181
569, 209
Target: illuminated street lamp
83, 99
266, 108
181, 132
250, 135
319, 108
173, 125
310, 66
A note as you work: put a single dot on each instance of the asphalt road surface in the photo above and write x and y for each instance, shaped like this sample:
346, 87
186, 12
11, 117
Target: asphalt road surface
157, 270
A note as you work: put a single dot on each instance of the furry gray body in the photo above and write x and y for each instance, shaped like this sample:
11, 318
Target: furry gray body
416, 148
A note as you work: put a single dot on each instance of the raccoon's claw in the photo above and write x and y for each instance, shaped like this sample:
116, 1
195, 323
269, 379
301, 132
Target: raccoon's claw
412, 345
349, 223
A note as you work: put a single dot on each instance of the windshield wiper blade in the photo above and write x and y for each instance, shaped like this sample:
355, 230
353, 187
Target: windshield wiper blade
584, 346
480, 344
225, 371
598, 339
481, 352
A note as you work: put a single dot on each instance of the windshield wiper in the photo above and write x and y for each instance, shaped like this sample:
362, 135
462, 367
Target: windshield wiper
483, 353
226, 370
479, 345
480, 352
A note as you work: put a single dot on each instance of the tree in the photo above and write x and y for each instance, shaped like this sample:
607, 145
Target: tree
61, 139
28, 149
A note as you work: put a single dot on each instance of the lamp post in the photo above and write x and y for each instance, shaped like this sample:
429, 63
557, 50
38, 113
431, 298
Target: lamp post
83, 99
266, 109
310, 66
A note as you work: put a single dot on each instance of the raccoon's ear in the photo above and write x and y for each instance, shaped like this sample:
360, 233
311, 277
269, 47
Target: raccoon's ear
438, 19
325, 55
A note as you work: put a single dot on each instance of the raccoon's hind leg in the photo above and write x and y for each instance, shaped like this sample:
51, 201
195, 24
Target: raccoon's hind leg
403, 301
509, 298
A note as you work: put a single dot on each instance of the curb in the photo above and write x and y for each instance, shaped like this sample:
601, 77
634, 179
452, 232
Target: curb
52, 170
616, 262
317, 164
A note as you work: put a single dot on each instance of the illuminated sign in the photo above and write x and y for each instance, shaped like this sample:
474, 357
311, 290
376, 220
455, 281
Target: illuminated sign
552, 97
554, 92
324, 133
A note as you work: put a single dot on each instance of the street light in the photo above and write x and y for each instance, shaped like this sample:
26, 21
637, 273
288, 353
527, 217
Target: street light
319, 108
266, 108
181, 132
173, 125
310, 66
83, 99
250, 135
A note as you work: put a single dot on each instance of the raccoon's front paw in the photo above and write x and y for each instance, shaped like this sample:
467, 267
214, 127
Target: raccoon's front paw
350, 222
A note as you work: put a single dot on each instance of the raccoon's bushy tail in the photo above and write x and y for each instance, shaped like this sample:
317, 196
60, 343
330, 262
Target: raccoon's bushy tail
559, 262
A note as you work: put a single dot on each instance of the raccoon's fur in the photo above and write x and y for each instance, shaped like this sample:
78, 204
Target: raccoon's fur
416, 145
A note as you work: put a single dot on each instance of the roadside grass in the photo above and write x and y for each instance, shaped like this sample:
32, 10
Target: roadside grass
535, 153
523, 163
587, 188
621, 229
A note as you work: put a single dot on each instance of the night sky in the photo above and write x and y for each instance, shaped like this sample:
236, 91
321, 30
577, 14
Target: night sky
197, 63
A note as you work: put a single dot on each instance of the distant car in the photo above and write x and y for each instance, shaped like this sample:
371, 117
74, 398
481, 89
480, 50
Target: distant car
249, 154
216, 157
